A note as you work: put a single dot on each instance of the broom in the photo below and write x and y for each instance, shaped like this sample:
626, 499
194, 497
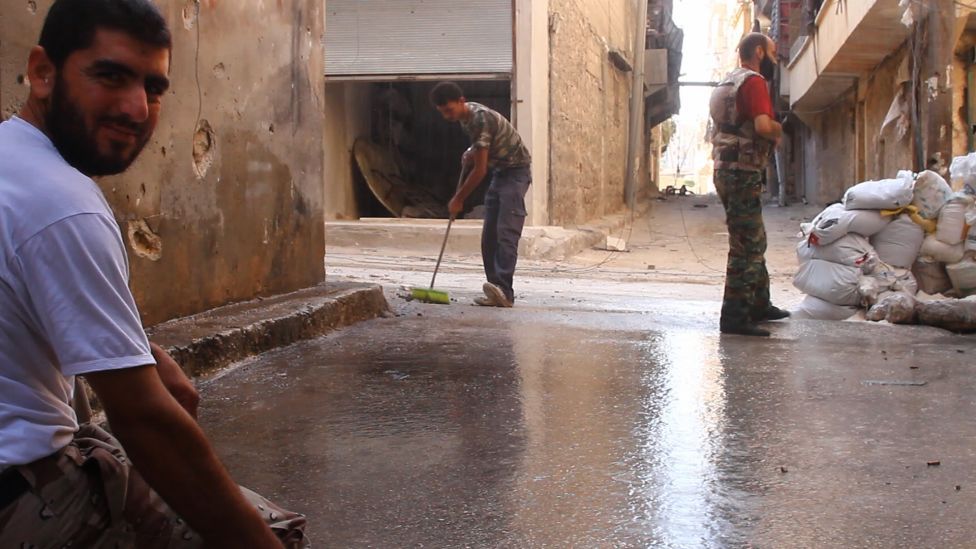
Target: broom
432, 295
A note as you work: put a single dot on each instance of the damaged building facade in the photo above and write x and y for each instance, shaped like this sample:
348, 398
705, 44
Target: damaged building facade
561, 70
221, 206
871, 87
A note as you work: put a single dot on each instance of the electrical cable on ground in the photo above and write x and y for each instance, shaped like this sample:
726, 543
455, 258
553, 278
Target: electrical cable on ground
691, 246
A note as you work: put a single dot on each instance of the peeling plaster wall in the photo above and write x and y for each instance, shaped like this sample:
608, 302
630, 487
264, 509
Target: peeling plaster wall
887, 151
964, 50
589, 107
236, 211
936, 96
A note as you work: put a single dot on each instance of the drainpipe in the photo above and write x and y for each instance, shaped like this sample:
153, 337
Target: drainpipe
636, 106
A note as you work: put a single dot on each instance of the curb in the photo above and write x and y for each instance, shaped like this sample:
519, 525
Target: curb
208, 341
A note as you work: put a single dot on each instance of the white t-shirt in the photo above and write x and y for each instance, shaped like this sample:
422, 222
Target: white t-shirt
65, 304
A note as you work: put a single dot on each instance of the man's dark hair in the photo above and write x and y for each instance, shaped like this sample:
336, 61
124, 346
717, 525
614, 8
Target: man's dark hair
70, 25
444, 93
747, 47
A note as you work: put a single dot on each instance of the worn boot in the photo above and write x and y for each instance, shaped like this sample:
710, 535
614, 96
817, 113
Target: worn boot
775, 313
744, 328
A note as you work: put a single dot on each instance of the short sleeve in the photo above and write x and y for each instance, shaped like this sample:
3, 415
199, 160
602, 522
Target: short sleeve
753, 99
75, 274
480, 134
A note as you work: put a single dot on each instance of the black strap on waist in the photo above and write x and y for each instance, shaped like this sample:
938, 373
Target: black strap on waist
729, 155
734, 129
12, 486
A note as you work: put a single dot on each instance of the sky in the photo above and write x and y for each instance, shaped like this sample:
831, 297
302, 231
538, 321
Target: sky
698, 64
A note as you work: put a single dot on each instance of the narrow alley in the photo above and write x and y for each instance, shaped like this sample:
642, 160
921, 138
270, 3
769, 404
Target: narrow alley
494, 274
605, 410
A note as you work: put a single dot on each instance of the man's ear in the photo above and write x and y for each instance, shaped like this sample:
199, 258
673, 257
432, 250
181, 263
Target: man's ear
41, 73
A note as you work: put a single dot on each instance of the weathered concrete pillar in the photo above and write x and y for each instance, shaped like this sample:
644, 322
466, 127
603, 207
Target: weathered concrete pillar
225, 203
531, 108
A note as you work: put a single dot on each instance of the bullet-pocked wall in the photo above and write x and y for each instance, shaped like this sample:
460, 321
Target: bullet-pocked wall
589, 107
225, 203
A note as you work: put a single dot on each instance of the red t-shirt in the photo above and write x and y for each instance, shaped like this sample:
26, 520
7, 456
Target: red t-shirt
753, 99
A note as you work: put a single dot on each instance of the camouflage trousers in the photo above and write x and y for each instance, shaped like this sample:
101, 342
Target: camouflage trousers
89, 495
746, 297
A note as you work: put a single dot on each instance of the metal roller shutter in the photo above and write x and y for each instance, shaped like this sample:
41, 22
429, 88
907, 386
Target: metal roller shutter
375, 38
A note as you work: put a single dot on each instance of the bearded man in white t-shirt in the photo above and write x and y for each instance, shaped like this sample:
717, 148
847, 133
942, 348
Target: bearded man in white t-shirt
97, 80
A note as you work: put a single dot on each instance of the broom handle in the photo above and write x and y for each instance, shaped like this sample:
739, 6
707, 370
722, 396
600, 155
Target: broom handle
441, 255
447, 232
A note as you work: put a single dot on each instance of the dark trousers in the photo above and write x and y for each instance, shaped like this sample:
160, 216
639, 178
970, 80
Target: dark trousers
746, 297
504, 218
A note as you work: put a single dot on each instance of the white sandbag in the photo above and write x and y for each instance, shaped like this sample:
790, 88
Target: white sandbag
941, 252
804, 251
836, 221
814, 308
887, 194
851, 249
970, 243
963, 276
931, 276
962, 172
952, 219
897, 279
931, 193
831, 282
870, 290
899, 243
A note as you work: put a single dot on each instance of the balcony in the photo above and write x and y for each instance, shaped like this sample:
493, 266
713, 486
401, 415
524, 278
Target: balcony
851, 38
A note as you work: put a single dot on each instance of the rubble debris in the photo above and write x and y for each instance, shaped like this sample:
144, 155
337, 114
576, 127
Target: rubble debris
956, 315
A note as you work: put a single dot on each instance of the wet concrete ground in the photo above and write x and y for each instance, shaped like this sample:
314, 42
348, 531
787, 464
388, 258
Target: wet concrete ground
609, 417
605, 410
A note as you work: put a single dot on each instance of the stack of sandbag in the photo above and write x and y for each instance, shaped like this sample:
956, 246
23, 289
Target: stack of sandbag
834, 252
866, 234
946, 258
887, 240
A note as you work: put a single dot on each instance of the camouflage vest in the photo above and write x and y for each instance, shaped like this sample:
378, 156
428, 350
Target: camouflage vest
735, 146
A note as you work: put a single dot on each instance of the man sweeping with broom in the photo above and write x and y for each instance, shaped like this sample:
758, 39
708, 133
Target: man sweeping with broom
495, 146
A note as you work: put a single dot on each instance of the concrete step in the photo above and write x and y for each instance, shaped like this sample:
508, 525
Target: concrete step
426, 235
205, 342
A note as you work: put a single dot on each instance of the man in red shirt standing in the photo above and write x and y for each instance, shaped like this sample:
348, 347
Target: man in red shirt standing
744, 133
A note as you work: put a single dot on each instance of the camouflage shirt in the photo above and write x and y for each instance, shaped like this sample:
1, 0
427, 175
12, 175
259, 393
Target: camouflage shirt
490, 130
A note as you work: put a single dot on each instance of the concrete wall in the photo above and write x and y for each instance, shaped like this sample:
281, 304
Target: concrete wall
531, 99
964, 49
347, 106
238, 211
887, 151
830, 152
589, 104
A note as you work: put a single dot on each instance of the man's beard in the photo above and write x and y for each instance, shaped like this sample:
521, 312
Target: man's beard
77, 142
767, 69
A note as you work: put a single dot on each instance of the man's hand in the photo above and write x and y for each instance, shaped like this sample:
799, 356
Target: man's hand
175, 380
171, 452
455, 206
768, 128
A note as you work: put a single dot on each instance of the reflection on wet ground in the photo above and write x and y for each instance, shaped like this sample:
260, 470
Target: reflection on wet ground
565, 427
